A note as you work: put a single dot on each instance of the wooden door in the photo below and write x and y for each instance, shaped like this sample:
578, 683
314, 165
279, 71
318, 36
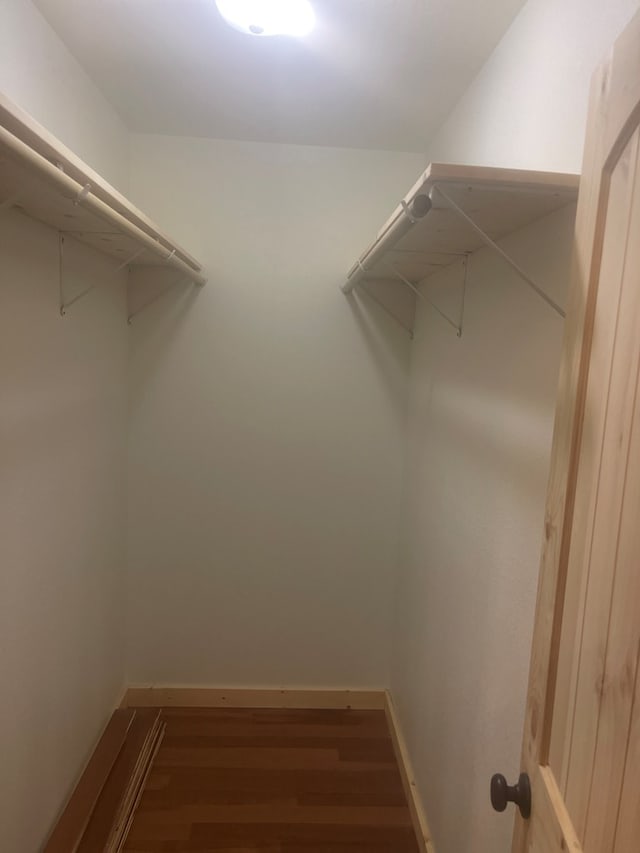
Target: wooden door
581, 743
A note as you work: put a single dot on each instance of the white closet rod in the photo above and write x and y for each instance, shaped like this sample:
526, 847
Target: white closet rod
82, 196
411, 213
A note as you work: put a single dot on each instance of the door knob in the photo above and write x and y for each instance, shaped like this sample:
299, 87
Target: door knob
520, 794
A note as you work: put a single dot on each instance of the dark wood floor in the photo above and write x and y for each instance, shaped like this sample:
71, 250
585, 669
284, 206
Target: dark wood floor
271, 781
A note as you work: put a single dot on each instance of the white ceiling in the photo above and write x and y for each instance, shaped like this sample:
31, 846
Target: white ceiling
373, 74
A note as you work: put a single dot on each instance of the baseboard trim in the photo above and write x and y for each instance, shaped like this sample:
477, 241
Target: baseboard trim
418, 816
250, 697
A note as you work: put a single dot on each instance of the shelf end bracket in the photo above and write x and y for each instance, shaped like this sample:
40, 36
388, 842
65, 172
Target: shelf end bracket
419, 295
64, 304
181, 280
436, 189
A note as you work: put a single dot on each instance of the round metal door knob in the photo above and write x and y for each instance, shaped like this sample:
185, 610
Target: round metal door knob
520, 794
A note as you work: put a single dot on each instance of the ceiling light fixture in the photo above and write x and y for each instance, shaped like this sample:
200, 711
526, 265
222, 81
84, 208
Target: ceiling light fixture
268, 17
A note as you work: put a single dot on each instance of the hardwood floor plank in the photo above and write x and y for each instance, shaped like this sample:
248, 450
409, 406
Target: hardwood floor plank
157, 800
277, 813
293, 759
360, 746
279, 781
201, 726
222, 834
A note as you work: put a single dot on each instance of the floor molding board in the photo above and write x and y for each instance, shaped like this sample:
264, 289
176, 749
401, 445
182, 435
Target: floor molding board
160, 696
72, 822
418, 816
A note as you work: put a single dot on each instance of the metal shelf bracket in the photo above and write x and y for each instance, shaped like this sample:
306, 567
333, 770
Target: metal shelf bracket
380, 303
129, 260
8, 203
437, 190
182, 280
418, 293
64, 304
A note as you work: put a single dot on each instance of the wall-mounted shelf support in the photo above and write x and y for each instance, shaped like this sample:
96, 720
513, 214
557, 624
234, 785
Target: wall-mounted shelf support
129, 260
424, 298
8, 203
83, 194
163, 292
381, 304
63, 304
410, 214
436, 191
451, 212
42, 179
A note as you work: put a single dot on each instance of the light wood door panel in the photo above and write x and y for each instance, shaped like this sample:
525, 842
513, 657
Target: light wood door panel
600, 488
581, 743
601, 497
628, 828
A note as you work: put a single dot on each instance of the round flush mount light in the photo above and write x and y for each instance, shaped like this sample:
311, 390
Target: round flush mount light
268, 17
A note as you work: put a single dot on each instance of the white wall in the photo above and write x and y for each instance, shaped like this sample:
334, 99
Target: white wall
62, 511
267, 422
62, 484
480, 421
39, 74
527, 108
